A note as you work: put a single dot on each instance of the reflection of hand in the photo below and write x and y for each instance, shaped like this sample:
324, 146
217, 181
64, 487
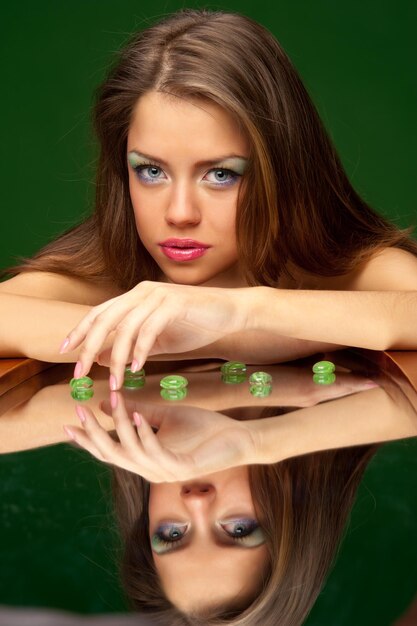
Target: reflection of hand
190, 442
157, 318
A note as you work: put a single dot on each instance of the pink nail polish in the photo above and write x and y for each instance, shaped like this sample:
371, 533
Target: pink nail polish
64, 345
113, 382
113, 399
69, 432
80, 413
134, 366
78, 369
137, 419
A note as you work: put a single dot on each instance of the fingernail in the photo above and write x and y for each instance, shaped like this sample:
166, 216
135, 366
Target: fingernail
78, 369
113, 382
134, 366
80, 413
370, 384
64, 345
70, 433
137, 419
113, 399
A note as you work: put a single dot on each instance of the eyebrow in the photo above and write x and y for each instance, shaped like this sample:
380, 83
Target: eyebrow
199, 163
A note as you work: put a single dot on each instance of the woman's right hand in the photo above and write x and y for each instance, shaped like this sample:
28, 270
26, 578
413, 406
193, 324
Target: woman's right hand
190, 442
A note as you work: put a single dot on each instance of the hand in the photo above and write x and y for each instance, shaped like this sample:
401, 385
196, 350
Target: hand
158, 318
189, 442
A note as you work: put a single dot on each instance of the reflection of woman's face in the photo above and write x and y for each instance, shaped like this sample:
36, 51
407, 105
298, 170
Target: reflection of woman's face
206, 542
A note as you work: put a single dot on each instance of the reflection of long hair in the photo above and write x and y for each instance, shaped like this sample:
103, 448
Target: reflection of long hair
303, 504
296, 206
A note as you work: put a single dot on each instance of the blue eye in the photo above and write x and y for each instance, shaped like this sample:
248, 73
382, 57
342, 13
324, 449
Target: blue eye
167, 535
153, 172
233, 176
246, 530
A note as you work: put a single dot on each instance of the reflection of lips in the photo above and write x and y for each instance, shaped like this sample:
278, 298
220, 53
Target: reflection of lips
183, 249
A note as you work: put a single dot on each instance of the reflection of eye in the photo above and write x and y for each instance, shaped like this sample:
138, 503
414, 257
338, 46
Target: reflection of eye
246, 530
167, 535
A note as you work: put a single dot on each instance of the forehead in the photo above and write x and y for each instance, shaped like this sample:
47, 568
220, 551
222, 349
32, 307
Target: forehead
171, 123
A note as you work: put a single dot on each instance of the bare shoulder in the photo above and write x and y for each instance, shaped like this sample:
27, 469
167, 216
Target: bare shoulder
391, 269
51, 286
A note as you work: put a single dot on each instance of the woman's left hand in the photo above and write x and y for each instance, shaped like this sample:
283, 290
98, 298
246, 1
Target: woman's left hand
158, 318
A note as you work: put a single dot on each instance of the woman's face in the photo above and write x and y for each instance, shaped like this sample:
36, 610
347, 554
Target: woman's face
185, 207
207, 545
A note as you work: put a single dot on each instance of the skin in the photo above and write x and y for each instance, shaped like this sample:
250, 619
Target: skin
183, 199
209, 571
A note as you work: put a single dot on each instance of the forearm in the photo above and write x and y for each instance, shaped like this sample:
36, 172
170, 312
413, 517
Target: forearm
362, 418
35, 327
377, 320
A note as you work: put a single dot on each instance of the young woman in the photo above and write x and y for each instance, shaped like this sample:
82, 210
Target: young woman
225, 225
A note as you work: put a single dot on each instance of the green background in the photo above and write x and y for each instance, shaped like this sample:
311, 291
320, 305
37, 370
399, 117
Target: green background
357, 60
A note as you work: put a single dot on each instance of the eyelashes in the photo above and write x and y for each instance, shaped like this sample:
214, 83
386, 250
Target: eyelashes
170, 536
154, 170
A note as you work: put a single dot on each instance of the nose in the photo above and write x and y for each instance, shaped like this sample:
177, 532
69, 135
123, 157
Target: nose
182, 209
198, 492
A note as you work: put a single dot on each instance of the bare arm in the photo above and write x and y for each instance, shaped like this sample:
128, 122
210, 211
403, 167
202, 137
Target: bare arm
38, 308
362, 418
376, 310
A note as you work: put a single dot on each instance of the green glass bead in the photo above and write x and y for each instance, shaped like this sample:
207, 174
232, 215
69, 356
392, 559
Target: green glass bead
174, 394
233, 372
260, 378
323, 367
85, 382
134, 380
174, 382
82, 394
233, 368
324, 379
260, 391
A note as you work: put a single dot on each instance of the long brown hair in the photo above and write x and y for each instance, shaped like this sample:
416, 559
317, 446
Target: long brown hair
296, 206
303, 503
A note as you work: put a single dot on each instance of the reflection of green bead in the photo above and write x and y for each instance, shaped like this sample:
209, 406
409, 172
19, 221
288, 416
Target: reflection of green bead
324, 379
323, 367
233, 372
85, 382
234, 379
260, 391
134, 380
260, 378
174, 394
173, 382
82, 394
260, 384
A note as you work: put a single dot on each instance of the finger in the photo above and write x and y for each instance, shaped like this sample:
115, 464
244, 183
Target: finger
127, 332
155, 414
103, 324
78, 436
150, 330
97, 435
125, 426
78, 333
151, 444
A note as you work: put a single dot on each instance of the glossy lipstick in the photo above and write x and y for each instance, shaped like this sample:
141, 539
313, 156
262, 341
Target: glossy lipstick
183, 249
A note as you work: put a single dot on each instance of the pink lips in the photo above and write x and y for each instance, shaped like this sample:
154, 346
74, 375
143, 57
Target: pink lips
183, 249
